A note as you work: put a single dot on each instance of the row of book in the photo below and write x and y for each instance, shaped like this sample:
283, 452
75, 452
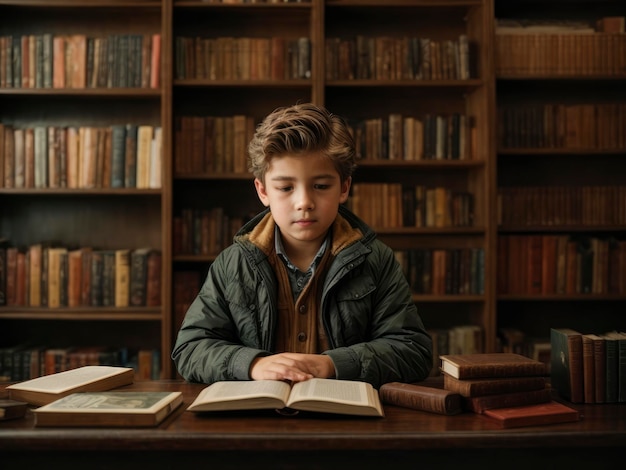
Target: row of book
242, 58
392, 205
80, 61
204, 231
117, 156
53, 276
589, 367
523, 206
560, 54
562, 126
434, 271
212, 144
397, 58
508, 388
397, 137
26, 361
561, 264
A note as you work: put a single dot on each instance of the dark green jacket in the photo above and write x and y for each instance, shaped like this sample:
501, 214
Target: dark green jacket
373, 327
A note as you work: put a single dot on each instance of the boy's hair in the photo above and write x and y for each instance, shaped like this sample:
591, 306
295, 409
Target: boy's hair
301, 129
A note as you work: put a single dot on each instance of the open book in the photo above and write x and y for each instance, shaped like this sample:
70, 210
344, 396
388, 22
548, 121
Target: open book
320, 395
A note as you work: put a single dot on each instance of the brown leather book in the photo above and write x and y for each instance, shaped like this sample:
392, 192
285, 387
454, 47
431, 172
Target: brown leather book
506, 400
419, 397
472, 366
488, 386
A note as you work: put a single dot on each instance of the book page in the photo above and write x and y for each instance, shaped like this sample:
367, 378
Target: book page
242, 395
67, 380
340, 391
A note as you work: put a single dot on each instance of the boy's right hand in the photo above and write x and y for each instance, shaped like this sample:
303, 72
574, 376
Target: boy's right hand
295, 367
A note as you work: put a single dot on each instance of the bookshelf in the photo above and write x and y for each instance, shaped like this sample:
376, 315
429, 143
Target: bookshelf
62, 186
560, 164
446, 157
223, 67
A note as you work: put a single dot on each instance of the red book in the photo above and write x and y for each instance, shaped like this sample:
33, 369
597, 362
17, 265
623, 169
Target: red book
533, 415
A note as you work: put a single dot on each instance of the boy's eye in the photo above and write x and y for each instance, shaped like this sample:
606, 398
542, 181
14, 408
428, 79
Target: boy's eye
285, 189
322, 186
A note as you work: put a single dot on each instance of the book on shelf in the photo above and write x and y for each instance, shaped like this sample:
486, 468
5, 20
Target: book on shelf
505, 400
566, 369
12, 409
51, 387
477, 365
616, 365
319, 395
488, 386
419, 397
533, 415
109, 408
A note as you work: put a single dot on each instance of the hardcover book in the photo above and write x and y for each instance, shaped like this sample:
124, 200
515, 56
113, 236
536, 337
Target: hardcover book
533, 415
484, 365
48, 388
418, 397
319, 395
481, 387
114, 409
506, 400
566, 369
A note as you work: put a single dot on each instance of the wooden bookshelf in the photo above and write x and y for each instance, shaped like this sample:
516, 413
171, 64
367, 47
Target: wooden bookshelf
560, 102
91, 93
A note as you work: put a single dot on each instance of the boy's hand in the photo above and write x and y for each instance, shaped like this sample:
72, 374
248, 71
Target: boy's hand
295, 367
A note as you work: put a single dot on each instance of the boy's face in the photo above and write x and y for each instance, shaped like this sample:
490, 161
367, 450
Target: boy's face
303, 193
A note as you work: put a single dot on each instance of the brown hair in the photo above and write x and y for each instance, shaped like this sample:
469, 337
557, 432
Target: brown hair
298, 130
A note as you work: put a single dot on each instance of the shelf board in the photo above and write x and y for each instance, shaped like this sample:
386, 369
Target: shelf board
282, 84
563, 228
82, 313
560, 297
469, 84
134, 93
81, 192
447, 298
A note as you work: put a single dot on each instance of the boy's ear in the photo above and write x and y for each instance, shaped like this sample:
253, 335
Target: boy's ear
345, 190
260, 190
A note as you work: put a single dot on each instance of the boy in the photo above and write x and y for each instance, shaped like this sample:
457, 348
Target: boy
306, 290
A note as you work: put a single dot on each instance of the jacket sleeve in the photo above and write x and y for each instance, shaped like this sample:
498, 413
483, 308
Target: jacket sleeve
209, 347
392, 343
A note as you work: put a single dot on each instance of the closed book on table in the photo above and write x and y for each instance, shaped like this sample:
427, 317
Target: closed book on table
111, 409
506, 400
487, 386
418, 397
484, 365
533, 415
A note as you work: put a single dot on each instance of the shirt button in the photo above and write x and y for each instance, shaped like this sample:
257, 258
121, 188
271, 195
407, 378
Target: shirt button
302, 337
302, 309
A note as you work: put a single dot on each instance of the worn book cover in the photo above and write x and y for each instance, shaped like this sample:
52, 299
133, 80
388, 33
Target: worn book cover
484, 365
506, 400
566, 363
487, 386
51, 387
418, 397
114, 409
320, 395
533, 415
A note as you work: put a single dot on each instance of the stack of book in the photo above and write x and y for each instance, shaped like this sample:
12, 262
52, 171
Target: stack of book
507, 387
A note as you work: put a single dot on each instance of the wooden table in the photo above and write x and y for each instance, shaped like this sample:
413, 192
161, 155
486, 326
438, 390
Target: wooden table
265, 440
